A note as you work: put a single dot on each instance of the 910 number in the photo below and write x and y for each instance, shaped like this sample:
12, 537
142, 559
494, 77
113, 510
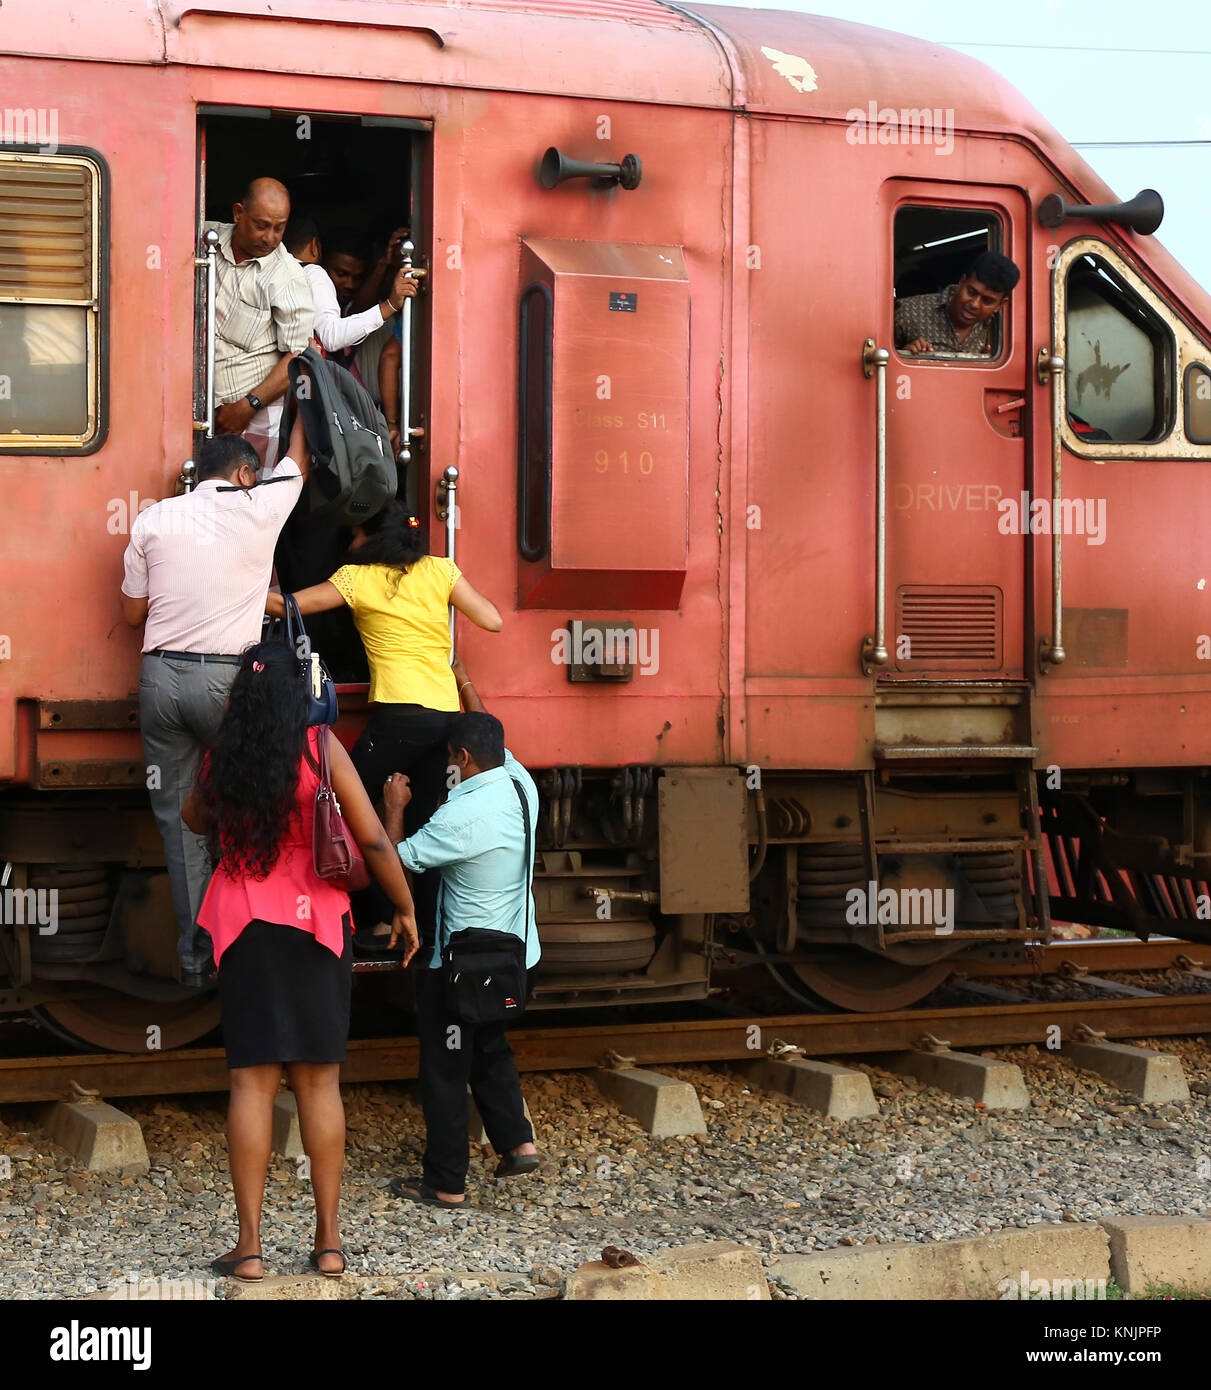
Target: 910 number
645, 462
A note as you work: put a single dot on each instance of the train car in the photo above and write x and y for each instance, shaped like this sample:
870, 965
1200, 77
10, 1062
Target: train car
829, 659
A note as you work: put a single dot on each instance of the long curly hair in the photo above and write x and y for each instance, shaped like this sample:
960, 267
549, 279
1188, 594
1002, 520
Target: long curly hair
249, 780
393, 538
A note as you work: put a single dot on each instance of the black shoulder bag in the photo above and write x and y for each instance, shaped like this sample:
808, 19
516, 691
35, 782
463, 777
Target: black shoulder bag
484, 969
321, 693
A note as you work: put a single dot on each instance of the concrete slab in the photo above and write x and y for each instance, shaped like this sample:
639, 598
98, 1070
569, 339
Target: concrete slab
301, 1287
714, 1271
1071, 1259
994, 1084
1153, 1076
287, 1137
663, 1105
475, 1125
1159, 1250
840, 1092
598, 1283
157, 1289
100, 1136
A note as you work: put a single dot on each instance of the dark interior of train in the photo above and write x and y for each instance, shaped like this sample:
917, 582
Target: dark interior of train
934, 246
355, 179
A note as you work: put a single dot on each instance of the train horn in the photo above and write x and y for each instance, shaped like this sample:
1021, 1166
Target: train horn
1142, 214
556, 168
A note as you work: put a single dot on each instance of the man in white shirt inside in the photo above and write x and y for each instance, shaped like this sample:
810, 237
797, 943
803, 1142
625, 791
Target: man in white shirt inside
197, 570
263, 316
335, 331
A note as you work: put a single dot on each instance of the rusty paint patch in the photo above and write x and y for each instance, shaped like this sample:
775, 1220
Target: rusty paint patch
1096, 636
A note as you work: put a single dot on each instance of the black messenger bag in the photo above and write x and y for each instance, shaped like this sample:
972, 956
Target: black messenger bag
484, 970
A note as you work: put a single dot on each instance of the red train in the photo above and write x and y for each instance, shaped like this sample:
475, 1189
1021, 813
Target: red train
828, 656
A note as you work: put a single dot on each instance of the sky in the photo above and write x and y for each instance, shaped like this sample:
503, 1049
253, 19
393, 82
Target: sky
1127, 83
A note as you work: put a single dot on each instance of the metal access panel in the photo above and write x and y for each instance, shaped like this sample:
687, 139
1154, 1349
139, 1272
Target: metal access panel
703, 840
619, 425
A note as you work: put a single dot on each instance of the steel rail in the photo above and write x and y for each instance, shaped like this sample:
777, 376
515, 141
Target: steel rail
29, 1079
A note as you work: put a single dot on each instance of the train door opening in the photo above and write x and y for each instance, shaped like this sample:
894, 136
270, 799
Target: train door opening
362, 181
957, 398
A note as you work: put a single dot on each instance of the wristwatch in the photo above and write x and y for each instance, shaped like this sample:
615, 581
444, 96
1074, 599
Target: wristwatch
253, 401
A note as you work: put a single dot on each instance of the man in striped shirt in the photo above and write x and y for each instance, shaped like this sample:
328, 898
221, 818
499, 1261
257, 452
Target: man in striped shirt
264, 316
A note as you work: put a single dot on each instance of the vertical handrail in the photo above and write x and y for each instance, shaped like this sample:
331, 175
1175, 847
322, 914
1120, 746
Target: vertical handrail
874, 363
450, 478
404, 456
1050, 368
212, 246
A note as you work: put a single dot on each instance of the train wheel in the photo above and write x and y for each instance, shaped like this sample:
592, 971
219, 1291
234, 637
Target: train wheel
862, 983
111, 1023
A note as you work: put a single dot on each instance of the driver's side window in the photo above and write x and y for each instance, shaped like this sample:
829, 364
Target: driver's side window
935, 250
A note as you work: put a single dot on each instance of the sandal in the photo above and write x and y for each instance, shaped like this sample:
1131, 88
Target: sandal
314, 1261
420, 1191
228, 1268
517, 1165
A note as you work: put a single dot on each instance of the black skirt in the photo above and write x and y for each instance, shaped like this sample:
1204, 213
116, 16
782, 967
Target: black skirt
284, 997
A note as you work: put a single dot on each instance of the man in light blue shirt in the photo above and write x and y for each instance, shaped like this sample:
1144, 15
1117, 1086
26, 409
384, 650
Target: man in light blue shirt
477, 839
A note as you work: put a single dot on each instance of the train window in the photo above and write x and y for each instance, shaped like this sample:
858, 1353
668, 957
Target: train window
1198, 404
934, 248
49, 301
1119, 355
534, 422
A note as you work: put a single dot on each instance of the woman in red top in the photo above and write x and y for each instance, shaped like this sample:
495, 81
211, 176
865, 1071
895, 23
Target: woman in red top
281, 936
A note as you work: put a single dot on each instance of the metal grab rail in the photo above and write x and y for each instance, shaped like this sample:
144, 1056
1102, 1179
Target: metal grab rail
447, 511
407, 431
1051, 368
211, 239
874, 363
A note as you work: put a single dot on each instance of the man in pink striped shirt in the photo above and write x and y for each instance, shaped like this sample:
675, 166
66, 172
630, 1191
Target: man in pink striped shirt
197, 570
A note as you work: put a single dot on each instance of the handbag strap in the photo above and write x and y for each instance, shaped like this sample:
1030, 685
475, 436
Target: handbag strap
528, 874
325, 767
294, 624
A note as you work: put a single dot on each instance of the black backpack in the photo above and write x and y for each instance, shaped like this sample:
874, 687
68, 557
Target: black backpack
353, 470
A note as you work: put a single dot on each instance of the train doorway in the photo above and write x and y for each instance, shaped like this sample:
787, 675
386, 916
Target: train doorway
362, 180
957, 428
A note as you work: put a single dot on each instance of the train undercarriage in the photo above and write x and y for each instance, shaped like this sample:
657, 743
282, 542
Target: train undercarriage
860, 891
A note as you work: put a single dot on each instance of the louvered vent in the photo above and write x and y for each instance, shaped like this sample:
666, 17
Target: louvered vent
948, 628
45, 221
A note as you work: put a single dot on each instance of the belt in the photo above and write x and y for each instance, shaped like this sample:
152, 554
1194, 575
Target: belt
203, 657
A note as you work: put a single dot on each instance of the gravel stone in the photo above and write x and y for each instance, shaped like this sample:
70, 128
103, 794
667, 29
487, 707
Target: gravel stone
767, 1174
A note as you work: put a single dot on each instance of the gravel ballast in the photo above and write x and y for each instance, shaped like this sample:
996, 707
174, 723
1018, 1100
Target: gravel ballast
768, 1175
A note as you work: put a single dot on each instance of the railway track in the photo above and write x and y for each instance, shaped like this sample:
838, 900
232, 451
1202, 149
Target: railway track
1124, 1011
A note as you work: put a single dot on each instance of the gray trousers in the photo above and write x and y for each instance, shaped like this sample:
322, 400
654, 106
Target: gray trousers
180, 707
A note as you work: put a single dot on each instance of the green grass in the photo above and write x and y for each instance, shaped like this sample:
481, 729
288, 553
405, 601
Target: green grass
1157, 1292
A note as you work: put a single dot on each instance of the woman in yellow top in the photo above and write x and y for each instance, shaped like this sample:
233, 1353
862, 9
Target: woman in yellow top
399, 597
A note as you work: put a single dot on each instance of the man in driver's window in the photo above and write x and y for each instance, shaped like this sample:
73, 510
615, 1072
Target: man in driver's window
958, 320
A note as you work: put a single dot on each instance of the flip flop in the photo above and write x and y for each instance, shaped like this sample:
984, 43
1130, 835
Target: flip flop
314, 1261
420, 1191
228, 1268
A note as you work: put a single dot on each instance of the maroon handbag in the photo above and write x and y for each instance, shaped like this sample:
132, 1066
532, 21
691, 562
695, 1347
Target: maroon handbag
337, 857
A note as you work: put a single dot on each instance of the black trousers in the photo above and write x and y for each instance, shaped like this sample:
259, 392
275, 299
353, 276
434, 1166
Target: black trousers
409, 739
453, 1056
